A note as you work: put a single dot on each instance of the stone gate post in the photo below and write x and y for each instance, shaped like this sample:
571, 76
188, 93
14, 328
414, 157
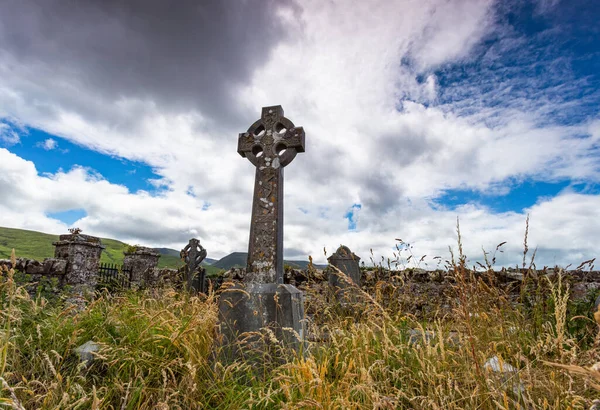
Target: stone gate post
141, 261
82, 253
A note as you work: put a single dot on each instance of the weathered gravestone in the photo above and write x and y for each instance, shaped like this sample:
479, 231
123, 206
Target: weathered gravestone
262, 300
193, 254
347, 262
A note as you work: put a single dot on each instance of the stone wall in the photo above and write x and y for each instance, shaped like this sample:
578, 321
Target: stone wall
47, 276
77, 261
50, 266
424, 293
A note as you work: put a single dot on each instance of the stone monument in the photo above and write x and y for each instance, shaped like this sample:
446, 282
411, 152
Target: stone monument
82, 253
262, 300
193, 254
347, 262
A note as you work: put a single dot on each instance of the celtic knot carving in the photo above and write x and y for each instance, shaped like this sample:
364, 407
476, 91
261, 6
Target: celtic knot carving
270, 144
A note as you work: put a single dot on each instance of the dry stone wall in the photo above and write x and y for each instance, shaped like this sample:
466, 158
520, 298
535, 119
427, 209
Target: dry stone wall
50, 266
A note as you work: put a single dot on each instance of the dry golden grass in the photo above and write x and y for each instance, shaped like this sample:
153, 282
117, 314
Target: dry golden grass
160, 350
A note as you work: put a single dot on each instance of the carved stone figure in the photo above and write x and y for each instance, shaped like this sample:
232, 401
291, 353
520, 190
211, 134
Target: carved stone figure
193, 254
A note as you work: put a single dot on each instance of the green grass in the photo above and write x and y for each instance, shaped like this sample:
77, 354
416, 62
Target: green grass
31, 244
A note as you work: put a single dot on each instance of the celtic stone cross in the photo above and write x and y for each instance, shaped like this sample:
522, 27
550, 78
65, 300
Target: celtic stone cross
270, 144
193, 254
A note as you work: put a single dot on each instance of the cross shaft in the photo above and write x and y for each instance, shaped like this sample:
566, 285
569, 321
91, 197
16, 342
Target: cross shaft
270, 144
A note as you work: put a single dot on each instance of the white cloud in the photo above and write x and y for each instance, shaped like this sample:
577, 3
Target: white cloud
8, 135
48, 144
374, 136
112, 211
563, 226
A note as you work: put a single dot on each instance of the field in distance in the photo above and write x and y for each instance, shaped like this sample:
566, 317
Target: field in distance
38, 245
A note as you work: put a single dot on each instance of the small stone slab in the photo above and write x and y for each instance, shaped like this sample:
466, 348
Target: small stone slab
86, 351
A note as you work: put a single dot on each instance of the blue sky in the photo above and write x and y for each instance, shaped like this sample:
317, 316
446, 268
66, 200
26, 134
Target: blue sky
66, 155
486, 110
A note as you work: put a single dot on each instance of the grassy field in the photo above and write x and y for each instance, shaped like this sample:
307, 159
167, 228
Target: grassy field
33, 245
492, 347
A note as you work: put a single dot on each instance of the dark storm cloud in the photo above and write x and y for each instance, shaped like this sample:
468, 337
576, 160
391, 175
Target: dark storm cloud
180, 54
405, 146
380, 193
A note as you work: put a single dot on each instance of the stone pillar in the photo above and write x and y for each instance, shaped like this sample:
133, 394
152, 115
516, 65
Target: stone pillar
141, 261
347, 262
82, 253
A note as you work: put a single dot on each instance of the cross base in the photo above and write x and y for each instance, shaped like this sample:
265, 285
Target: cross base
251, 307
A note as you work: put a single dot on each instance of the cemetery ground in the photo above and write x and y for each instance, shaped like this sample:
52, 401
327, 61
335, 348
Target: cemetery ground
480, 345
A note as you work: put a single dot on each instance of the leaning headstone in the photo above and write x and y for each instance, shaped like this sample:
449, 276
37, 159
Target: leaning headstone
82, 253
348, 263
140, 261
262, 299
193, 254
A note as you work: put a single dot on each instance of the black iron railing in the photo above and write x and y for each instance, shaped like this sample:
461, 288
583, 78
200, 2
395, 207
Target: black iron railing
114, 276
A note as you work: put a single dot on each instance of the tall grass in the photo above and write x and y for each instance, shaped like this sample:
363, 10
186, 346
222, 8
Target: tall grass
161, 349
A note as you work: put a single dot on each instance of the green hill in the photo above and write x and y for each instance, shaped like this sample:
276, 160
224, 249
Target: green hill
38, 245
27, 244
233, 260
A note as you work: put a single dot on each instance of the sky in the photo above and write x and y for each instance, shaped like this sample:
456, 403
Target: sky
122, 118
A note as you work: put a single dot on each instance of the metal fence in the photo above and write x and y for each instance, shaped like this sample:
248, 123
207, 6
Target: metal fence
114, 276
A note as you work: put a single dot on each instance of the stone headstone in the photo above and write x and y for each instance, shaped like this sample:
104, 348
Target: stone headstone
261, 299
193, 254
348, 263
82, 253
141, 261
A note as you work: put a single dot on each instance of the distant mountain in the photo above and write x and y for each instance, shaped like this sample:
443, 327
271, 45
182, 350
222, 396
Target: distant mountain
302, 264
239, 260
168, 252
38, 245
233, 260
174, 253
